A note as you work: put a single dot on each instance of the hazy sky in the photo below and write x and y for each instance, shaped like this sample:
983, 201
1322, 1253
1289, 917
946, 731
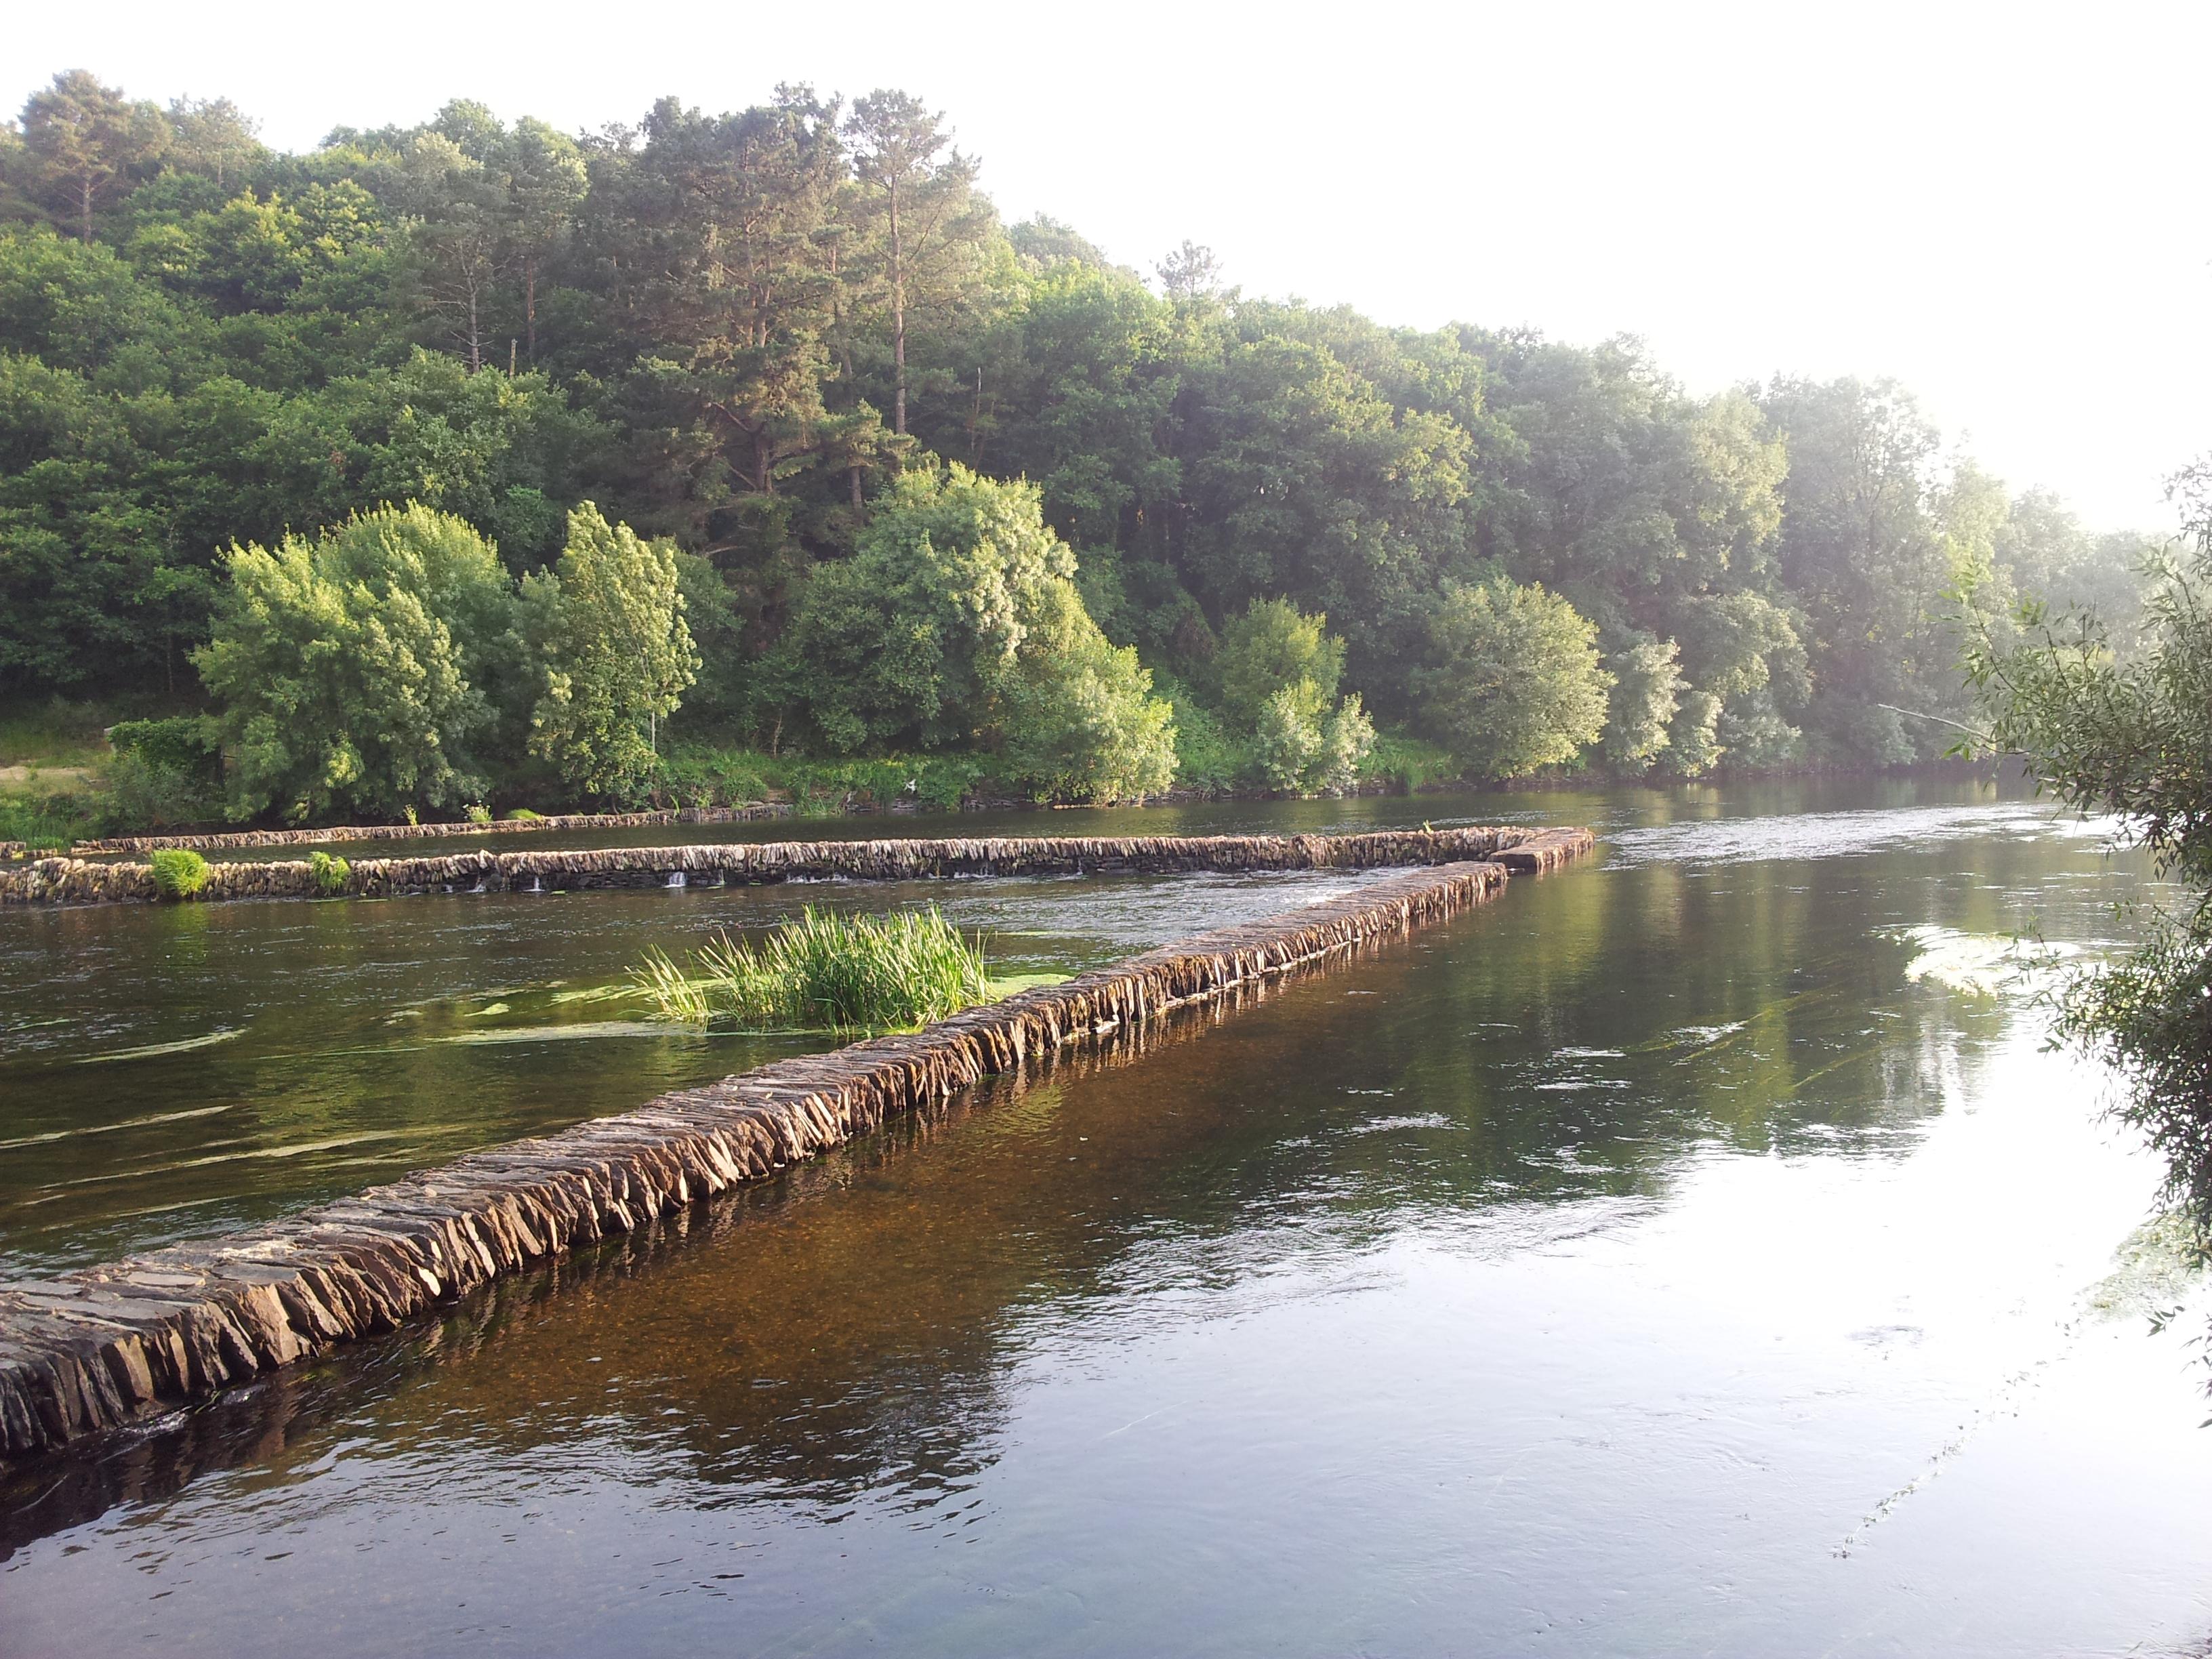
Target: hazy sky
2004, 207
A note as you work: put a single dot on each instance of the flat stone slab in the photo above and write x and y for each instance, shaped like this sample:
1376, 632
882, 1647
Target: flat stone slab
100, 1347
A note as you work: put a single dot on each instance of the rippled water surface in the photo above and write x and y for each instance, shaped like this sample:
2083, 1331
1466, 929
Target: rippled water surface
1693, 1252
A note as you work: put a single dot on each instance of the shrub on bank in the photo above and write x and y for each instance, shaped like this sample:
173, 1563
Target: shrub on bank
705, 775
43, 823
1407, 762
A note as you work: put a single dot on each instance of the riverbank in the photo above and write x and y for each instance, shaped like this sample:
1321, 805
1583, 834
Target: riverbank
862, 794
78, 881
570, 822
98, 1348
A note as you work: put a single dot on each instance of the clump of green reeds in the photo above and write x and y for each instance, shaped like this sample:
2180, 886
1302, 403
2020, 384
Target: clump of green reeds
825, 972
178, 872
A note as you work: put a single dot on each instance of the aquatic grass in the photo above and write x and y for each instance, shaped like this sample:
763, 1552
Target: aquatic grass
825, 972
178, 872
679, 996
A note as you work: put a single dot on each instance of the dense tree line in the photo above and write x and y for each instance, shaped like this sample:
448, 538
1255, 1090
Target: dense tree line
927, 481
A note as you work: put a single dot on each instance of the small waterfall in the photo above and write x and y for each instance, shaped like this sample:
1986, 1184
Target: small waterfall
676, 878
536, 885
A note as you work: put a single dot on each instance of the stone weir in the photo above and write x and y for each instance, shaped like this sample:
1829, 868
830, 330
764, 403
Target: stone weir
76, 881
229, 839
101, 1347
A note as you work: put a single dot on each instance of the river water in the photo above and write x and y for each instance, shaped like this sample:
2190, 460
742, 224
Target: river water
1692, 1252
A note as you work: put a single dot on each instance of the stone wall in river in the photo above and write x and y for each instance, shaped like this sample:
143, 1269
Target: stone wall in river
230, 840
78, 881
100, 1347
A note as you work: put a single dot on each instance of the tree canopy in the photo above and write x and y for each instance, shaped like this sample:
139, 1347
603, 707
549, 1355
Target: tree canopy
2130, 733
748, 333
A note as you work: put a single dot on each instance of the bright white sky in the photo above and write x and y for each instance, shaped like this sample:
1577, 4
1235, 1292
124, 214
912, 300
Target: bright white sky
2002, 206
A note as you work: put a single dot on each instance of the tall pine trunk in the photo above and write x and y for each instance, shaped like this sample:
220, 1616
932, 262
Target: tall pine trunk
898, 322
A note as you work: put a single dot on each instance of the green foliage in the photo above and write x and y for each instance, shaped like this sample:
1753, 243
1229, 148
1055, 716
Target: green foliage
1347, 738
477, 813
1272, 645
1279, 670
1076, 718
1409, 762
1647, 693
1327, 461
754, 333
618, 652
1862, 554
722, 693
85, 143
178, 874
1656, 514
1205, 756
899, 645
524, 815
958, 619
693, 774
330, 874
841, 973
705, 775
166, 773
143, 795
1298, 748
54, 731
2132, 736
182, 742
676, 994
2044, 553
47, 821
1287, 739
358, 671
1516, 684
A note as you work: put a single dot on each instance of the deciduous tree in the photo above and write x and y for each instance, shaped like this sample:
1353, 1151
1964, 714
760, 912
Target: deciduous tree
353, 668
1516, 684
609, 618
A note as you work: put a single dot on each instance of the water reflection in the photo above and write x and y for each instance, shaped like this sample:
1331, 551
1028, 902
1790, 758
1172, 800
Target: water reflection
176, 1071
1650, 1261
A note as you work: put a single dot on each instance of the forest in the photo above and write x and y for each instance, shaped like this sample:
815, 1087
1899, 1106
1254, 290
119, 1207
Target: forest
480, 465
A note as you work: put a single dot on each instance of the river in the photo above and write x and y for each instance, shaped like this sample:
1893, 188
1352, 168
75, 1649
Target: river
1694, 1251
